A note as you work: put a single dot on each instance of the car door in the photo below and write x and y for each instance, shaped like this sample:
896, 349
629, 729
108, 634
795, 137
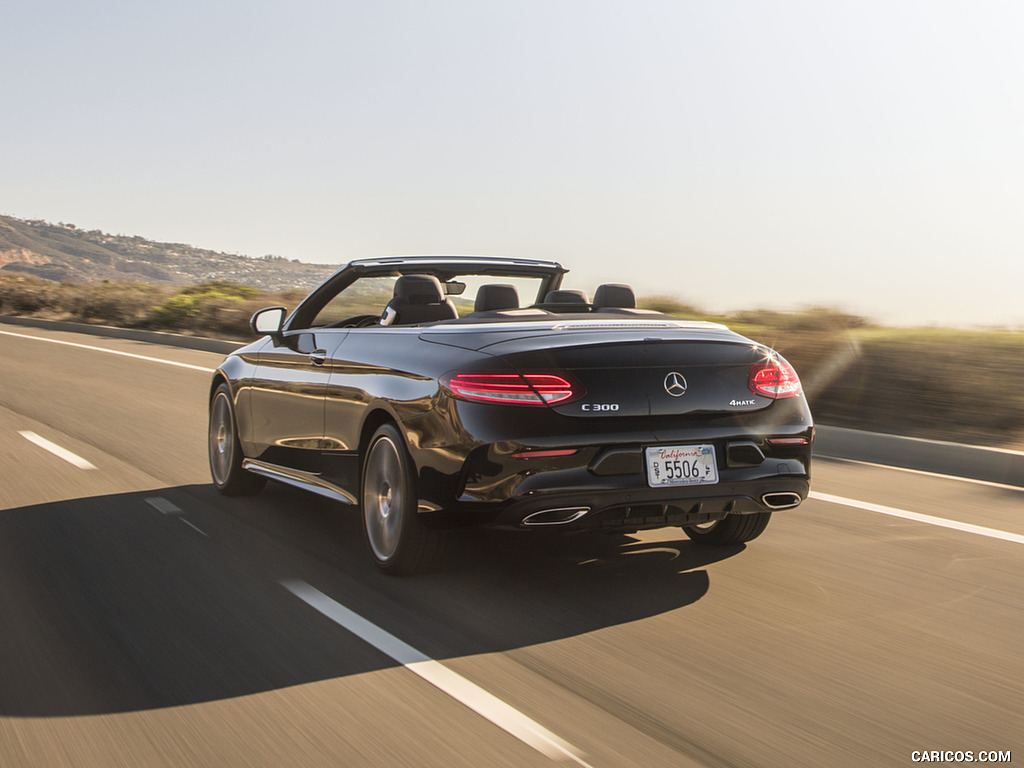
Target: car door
288, 393
290, 385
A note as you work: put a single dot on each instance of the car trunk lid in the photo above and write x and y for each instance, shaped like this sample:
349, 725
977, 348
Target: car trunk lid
663, 374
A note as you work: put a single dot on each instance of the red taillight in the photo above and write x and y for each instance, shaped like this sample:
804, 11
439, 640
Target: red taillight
776, 380
512, 388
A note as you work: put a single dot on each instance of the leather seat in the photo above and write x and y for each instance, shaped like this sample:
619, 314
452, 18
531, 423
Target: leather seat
614, 296
566, 300
418, 299
496, 296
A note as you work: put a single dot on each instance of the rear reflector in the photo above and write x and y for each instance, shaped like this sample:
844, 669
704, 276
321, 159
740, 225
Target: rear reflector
512, 388
545, 454
788, 441
776, 380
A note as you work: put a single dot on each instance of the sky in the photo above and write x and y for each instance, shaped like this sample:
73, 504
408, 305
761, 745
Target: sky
735, 154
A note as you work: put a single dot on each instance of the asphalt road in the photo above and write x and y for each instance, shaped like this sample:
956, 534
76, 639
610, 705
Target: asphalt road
146, 620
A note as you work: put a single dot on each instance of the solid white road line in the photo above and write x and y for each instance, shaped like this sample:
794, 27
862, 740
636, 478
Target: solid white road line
989, 483
110, 351
1011, 451
56, 450
455, 685
980, 530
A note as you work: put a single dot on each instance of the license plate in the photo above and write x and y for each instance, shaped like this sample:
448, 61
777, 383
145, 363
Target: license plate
681, 465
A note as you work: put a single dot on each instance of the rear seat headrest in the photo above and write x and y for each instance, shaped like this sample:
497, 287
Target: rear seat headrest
496, 296
614, 295
566, 296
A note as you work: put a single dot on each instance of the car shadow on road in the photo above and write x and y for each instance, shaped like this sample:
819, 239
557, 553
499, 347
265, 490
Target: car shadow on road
121, 603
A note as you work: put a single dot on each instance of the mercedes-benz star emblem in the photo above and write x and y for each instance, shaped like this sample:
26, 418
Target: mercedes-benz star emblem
675, 384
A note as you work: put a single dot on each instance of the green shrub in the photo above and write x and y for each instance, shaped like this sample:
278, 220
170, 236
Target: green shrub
205, 306
221, 289
125, 305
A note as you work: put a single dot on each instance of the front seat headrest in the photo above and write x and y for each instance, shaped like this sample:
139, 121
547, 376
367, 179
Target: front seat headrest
419, 289
418, 299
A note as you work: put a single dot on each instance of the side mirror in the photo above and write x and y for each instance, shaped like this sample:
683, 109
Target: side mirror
268, 321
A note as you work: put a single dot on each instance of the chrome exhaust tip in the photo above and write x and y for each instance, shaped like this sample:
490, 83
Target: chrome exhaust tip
561, 516
781, 500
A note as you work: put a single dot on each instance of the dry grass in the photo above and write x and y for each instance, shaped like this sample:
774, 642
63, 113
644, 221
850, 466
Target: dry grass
217, 309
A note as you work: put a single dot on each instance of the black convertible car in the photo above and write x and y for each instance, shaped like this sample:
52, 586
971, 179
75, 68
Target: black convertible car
444, 391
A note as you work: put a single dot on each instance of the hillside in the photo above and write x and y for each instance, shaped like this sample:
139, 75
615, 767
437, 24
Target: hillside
62, 252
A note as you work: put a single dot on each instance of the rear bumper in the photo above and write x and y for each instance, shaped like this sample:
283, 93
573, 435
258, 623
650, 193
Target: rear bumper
606, 488
631, 510
497, 465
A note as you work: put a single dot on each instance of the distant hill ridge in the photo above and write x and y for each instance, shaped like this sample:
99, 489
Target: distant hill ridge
64, 252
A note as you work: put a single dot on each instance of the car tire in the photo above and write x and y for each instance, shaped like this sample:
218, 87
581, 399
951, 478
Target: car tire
226, 451
732, 529
398, 541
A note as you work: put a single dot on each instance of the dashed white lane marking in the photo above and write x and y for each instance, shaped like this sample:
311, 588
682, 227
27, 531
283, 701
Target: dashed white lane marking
989, 483
110, 351
56, 450
455, 685
956, 525
162, 505
194, 528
